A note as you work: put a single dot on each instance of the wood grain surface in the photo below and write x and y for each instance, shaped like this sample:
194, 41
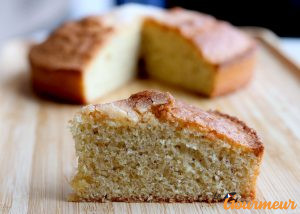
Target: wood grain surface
37, 151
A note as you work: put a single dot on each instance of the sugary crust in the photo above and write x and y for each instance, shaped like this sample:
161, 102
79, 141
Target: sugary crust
216, 125
217, 41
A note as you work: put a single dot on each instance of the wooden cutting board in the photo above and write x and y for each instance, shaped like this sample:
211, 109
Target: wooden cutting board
37, 151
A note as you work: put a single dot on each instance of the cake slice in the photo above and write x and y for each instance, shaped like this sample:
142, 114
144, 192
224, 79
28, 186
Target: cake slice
197, 52
151, 147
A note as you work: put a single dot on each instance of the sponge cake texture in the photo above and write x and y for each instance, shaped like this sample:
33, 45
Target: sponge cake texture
151, 147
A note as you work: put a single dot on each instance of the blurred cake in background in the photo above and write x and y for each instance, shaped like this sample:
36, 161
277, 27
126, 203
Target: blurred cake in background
83, 60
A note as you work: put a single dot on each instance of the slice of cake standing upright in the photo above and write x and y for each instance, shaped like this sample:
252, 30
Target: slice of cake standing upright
151, 147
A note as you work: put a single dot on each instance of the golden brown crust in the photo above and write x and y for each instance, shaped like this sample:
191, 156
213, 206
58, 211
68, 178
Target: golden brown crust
60, 84
217, 125
72, 45
235, 74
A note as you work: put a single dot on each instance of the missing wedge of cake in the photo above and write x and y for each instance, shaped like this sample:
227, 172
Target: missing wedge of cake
151, 147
